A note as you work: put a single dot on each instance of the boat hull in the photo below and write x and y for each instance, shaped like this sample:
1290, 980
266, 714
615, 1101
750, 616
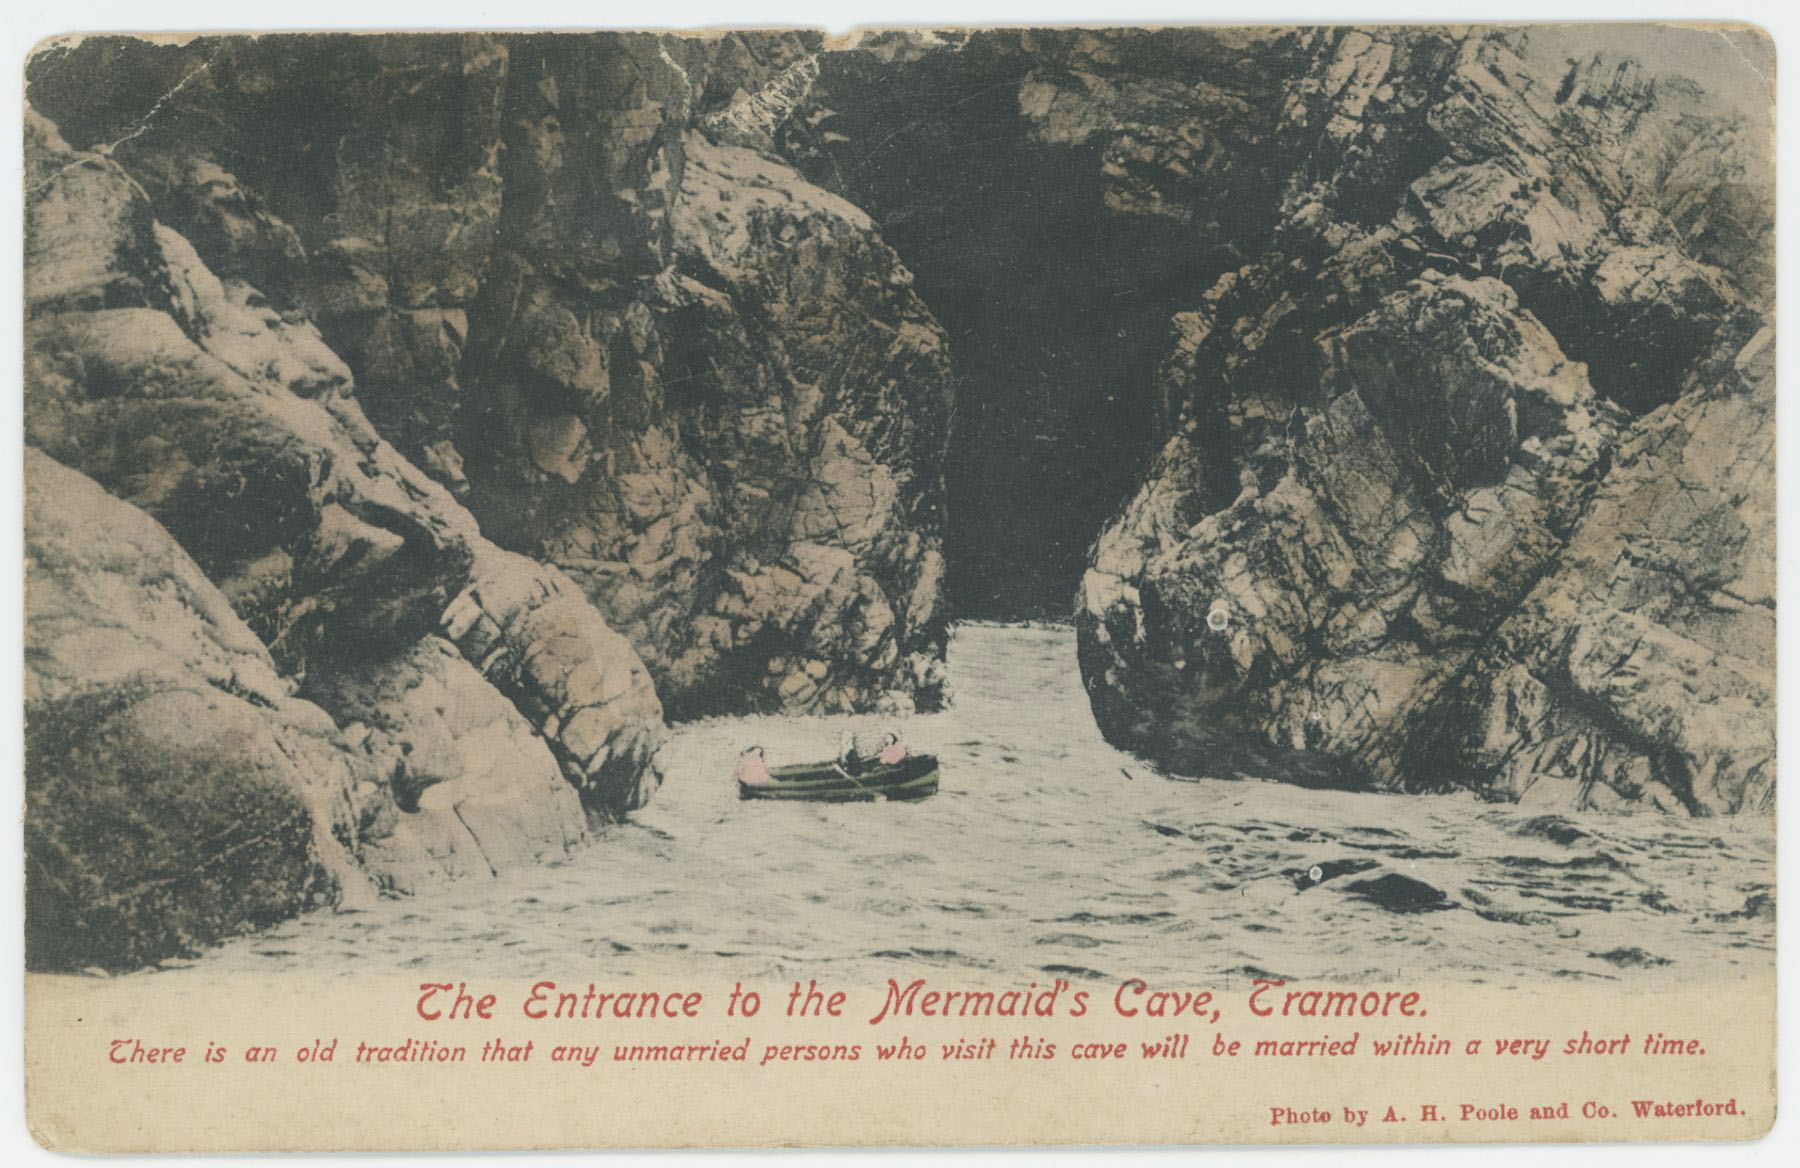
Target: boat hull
914, 777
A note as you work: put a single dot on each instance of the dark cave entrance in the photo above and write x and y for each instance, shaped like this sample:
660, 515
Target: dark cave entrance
1055, 421
1057, 307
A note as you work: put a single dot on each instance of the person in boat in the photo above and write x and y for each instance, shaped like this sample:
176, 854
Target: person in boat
752, 769
863, 751
858, 750
893, 751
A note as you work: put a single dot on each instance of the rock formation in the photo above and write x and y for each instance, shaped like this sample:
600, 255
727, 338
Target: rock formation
1340, 337
1469, 475
508, 390
1641, 668
179, 790
573, 285
279, 630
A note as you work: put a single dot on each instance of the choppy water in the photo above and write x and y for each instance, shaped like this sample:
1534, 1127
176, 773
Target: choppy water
1048, 851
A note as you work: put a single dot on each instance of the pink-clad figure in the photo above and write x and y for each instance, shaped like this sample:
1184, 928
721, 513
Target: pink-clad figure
752, 770
892, 751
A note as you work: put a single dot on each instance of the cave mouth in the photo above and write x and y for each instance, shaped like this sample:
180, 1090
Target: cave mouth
1055, 421
1057, 307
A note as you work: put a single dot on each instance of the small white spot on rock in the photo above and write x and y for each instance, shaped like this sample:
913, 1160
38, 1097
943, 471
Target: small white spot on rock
1218, 618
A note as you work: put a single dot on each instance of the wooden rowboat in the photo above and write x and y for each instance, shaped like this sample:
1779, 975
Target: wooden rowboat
913, 777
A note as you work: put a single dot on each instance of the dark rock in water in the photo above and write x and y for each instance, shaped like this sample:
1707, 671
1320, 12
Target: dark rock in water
1311, 877
1630, 958
1554, 828
1400, 894
1758, 906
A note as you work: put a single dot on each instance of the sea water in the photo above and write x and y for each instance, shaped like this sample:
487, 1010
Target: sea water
1047, 853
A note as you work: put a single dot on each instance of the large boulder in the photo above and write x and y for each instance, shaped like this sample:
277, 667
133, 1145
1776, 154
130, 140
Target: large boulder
468, 783
533, 635
175, 789
1302, 628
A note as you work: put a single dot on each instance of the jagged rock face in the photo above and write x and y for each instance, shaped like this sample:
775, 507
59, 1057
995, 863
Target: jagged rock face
178, 790
777, 541
1375, 535
361, 580
1641, 669
572, 285
533, 635
239, 431
1406, 531
175, 791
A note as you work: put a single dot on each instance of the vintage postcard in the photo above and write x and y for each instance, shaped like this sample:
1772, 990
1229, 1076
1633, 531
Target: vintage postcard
1166, 585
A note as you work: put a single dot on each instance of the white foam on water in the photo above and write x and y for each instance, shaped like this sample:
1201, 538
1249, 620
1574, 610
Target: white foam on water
1047, 851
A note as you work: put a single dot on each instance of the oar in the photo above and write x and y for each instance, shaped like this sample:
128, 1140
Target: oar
840, 770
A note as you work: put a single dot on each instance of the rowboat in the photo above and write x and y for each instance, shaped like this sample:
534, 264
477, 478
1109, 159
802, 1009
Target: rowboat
913, 777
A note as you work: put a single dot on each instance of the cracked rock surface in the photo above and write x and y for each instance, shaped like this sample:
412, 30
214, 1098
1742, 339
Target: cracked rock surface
1468, 477
405, 703
177, 791
573, 284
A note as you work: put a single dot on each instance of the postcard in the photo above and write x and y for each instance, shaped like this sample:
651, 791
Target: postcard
1182, 585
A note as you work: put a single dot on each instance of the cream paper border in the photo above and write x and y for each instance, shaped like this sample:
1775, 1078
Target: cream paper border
55, 1058
78, 1101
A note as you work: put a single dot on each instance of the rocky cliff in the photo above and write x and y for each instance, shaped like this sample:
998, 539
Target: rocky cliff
463, 403
1353, 344
274, 607
1469, 475
573, 286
